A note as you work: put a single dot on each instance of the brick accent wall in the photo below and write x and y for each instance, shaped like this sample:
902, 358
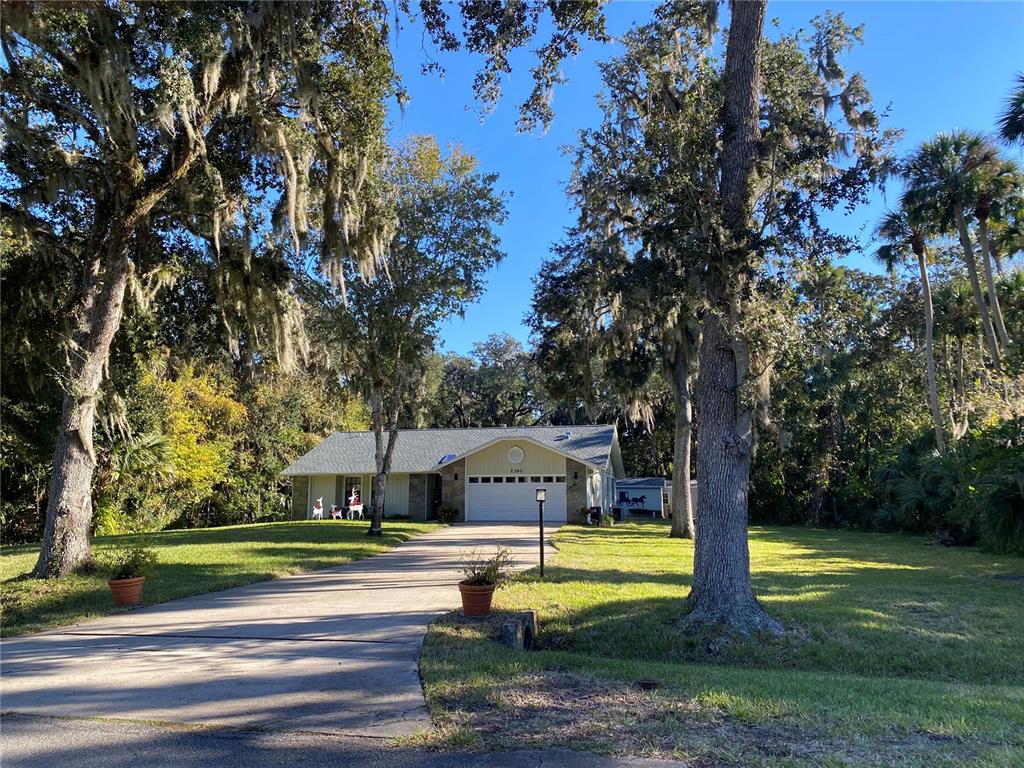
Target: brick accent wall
418, 497
453, 487
575, 490
300, 497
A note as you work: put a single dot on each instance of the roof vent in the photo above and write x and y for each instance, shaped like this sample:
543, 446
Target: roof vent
446, 458
565, 435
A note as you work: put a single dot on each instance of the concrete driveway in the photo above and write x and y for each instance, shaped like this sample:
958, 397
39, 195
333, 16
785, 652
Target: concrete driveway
332, 651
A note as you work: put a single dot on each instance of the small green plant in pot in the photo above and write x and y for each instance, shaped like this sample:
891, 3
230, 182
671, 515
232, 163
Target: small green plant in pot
482, 575
127, 567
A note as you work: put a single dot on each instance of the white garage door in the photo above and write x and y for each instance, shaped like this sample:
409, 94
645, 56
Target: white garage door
514, 498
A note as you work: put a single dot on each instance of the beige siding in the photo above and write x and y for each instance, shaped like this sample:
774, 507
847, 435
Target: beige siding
493, 460
321, 485
600, 489
396, 499
593, 489
367, 489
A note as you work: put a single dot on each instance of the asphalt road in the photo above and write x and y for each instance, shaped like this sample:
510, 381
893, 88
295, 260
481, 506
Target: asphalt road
28, 741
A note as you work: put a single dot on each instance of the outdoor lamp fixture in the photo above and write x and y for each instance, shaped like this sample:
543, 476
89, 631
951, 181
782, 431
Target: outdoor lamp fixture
542, 495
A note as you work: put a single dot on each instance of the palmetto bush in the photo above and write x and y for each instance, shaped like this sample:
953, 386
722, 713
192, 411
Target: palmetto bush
972, 494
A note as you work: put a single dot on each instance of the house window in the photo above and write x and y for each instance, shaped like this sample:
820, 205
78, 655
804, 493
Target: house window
521, 479
485, 479
535, 479
560, 479
549, 479
499, 479
474, 479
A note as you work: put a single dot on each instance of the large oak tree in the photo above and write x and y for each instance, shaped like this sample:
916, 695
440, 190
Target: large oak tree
246, 126
379, 333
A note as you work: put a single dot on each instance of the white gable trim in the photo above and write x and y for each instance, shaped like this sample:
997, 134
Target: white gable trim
538, 443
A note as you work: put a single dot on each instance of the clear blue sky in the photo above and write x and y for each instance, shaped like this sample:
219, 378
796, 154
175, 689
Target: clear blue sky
940, 65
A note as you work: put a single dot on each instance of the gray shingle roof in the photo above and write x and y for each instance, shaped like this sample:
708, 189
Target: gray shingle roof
643, 482
422, 450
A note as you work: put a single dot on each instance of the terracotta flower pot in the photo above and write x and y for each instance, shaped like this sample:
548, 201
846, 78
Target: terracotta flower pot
476, 600
127, 591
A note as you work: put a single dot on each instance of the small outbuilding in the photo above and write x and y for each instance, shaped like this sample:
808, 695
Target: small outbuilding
647, 496
644, 496
485, 474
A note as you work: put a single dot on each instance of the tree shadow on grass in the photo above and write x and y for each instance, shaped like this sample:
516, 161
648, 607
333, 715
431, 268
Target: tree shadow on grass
869, 620
741, 714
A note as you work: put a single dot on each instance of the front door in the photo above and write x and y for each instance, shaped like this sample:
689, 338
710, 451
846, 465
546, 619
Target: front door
353, 492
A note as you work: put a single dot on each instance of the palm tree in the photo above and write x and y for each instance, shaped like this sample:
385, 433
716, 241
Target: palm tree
997, 181
1012, 289
943, 177
958, 322
903, 236
1011, 122
1006, 231
145, 459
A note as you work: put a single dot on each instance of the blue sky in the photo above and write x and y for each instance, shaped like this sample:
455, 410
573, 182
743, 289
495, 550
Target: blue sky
940, 65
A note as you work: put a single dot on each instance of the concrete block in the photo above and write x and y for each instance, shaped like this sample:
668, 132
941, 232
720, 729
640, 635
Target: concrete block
520, 631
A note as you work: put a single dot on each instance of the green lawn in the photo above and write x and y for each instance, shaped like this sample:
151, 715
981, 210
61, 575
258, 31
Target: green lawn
897, 652
190, 562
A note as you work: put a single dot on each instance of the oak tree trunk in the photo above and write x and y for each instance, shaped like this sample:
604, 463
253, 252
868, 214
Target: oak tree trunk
683, 525
384, 448
722, 596
65, 544
929, 353
822, 463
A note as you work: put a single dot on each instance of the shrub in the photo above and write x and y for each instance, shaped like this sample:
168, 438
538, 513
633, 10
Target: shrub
129, 562
480, 570
447, 513
607, 521
973, 494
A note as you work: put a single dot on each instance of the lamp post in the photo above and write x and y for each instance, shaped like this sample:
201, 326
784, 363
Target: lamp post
542, 494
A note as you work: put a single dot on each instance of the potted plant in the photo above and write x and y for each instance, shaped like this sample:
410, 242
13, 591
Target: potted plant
128, 568
482, 575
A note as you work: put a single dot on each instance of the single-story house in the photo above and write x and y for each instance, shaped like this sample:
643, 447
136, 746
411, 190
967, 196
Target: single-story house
486, 474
